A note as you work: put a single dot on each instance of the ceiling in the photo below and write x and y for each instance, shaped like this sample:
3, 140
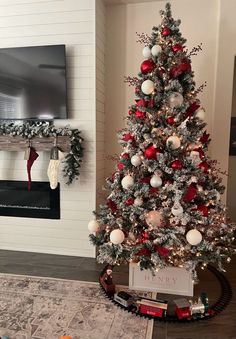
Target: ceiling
120, 2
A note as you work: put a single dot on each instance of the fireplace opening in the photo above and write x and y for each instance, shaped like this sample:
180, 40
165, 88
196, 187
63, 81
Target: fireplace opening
40, 202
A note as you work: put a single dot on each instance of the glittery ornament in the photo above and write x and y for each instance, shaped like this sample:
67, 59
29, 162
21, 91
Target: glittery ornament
176, 165
154, 219
147, 66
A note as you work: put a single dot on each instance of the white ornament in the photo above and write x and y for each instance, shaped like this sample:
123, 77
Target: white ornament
147, 87
154, 219
127, 182
194, 156
177, 209
200, 114
156, 49
117, 237
156, 181
175, 100
138, 201
194, 237
146, 52
173, 142
136, 160
93, 226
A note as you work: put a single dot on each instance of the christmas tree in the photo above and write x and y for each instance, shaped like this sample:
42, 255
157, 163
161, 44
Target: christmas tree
164, 207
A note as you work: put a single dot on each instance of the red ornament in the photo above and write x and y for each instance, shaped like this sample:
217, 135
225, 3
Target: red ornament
163, 251
203, 209
170, 121
204, 166
140, 115
161, 72
177, 165
185, 66
151, 152
175, 71
128, 137
145, 235
166, 31
191, 109
112, 205
141, 103
120, 166
129, 201
125, 156
190, 193
205, 137
177, 48
130, 112
145, 180
147, 66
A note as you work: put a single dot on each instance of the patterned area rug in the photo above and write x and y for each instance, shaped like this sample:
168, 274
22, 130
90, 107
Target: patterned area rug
45, 308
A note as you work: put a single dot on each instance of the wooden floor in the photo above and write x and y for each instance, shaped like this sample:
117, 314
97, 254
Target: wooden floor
46, 265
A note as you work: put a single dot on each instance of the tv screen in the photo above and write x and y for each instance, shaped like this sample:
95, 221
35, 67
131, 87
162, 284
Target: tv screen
33, 83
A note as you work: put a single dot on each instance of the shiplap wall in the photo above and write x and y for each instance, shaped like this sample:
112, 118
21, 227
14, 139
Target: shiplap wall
100, 98
45, 22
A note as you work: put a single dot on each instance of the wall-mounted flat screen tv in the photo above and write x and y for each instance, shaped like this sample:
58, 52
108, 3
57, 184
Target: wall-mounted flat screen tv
33, 83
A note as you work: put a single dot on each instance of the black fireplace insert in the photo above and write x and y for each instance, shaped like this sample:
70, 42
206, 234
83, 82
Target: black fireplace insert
40, 202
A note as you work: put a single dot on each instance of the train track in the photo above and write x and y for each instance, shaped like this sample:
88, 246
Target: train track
222, 302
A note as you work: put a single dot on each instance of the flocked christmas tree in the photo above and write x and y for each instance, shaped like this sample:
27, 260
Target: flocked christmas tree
164, 206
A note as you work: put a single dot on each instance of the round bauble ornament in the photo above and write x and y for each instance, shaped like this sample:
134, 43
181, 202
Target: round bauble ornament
151, 152
146, 52
148, 87
194, 237
200, 114
138, 201
154, 219
203, 209
194, 156
93, 226
173, 142
156, 49
156, 181
140, 115
136, 160
177, 48
170, 121
127, 182
166, 31
120, 166
147, 66
176, 165
177, 210
204, 166
117, 237
175, 100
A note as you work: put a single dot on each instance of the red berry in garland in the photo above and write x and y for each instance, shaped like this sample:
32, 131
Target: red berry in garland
147, 66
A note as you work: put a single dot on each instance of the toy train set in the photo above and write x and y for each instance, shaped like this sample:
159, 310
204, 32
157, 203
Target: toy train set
183, 310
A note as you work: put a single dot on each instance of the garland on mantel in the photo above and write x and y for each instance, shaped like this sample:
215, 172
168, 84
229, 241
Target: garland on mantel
29, 130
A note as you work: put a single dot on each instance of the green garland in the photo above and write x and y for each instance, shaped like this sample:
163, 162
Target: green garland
29, 130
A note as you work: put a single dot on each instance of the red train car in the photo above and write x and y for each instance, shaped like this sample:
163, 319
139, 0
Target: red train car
182, 310
156, 308
106, 281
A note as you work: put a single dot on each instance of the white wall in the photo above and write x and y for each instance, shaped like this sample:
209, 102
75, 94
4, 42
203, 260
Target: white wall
123, 55
69, 22
100, 98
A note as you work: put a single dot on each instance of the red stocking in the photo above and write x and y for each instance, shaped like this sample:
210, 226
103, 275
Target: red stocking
32, 157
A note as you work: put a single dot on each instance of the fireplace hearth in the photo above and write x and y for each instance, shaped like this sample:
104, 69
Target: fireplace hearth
40, 202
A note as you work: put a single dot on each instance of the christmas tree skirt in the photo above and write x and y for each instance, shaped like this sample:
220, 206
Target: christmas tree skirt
46, 308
